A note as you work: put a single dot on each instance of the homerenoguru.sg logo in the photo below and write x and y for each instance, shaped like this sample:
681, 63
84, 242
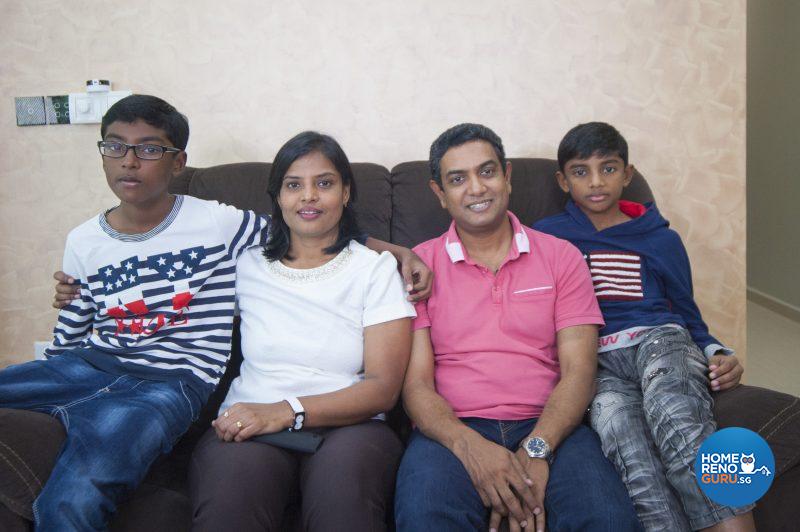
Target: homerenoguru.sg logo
734, 467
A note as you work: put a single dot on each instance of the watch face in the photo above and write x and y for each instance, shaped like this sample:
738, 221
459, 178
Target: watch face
536, 447
298, 421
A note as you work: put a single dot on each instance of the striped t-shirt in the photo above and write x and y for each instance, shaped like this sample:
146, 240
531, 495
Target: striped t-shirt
158, 305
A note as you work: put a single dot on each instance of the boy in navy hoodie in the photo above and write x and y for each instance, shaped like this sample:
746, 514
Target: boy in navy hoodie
653, 408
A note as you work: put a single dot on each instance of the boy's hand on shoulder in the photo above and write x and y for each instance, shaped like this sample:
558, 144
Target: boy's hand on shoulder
725, 372
417, 277
66, 290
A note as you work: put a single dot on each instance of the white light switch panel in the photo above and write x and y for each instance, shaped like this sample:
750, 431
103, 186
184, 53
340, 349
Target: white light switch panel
89, 107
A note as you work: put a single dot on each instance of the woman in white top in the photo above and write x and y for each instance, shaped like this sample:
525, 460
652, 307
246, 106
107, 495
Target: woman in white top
325, 341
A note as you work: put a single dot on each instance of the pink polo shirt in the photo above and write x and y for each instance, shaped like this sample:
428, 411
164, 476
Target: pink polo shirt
494, 336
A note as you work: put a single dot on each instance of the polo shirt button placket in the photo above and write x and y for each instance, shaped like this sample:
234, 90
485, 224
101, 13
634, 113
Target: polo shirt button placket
497, 294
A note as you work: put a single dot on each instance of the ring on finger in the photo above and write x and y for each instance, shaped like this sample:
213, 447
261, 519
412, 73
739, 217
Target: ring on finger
225, 414
239, 425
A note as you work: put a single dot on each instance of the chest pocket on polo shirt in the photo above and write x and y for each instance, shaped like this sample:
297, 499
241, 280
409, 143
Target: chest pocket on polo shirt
521, 294
530, 313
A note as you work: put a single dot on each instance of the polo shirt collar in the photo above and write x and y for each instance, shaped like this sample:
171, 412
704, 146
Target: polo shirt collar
520, 244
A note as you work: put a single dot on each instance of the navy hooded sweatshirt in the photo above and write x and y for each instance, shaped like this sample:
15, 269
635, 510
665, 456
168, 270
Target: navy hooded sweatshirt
640, 272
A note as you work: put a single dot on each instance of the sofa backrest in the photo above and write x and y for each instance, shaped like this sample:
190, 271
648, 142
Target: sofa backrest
417, 215
244, 185
396, 206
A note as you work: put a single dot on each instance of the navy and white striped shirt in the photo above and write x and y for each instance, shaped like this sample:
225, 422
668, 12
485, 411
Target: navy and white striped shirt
160, 303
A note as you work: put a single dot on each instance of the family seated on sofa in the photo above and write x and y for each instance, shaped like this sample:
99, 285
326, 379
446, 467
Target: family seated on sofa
496, 376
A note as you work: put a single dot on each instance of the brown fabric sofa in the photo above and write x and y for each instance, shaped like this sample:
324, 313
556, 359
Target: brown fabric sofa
396, 206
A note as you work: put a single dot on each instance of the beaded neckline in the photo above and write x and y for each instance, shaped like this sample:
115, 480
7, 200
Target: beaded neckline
310, 275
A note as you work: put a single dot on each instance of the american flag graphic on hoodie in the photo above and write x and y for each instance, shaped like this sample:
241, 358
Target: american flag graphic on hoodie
616, 275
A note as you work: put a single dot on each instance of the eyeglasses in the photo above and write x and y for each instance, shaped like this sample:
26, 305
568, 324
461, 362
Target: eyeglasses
117, 150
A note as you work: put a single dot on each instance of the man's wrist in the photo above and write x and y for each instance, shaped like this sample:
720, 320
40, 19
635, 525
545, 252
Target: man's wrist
537, 448
461, 440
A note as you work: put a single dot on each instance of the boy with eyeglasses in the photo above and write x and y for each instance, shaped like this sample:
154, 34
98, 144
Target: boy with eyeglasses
136, 355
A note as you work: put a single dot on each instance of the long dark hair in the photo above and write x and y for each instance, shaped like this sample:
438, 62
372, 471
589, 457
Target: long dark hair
299, 146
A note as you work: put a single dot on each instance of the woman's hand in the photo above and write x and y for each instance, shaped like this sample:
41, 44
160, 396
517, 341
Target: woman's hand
66, 290
245, 420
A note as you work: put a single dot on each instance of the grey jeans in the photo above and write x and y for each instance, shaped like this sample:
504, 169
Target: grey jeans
652, 411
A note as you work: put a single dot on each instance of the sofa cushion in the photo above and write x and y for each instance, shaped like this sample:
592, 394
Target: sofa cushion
417, 215
27, 455
244, 185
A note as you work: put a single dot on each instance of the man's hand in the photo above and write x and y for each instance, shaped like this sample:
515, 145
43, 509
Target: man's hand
245, 420
495, 472
66, 290
538, 470
417, 277
725, 372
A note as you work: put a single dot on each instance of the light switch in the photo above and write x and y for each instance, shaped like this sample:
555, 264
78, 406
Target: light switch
89, 107
82, 109
30, 111
57, 109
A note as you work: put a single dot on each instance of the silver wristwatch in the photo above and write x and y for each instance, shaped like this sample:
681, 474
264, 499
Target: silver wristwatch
538, 448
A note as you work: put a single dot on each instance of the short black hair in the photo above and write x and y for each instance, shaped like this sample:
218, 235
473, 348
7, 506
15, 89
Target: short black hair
153, 111
458, 135
299, 146
585, 140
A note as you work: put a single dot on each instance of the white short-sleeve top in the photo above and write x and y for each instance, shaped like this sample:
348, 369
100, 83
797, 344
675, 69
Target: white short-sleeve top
303, 330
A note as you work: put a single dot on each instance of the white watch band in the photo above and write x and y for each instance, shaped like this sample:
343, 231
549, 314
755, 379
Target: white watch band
294, 402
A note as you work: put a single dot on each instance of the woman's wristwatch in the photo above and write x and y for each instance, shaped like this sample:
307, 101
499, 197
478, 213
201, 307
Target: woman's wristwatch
299, 413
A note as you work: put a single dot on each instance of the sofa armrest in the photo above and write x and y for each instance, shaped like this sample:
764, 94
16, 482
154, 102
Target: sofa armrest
774, 415
29, 445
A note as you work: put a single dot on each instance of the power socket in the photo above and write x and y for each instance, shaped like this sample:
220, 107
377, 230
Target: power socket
38, 350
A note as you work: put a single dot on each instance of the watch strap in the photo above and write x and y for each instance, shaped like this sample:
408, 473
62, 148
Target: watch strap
296, 405
299, 413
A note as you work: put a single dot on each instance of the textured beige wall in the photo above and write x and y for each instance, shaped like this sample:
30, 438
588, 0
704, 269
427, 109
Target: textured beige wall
384, 78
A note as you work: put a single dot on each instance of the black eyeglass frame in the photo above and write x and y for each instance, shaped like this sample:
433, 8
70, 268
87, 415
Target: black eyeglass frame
166, 149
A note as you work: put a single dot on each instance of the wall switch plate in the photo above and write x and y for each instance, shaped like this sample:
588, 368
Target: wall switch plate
89, 107
30, 111
38, 350
57, 109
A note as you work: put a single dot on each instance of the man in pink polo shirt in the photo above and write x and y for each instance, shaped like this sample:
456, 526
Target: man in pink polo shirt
502, 367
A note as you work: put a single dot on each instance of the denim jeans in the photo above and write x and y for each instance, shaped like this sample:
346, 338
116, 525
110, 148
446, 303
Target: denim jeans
116, 427
584, 491
652, 411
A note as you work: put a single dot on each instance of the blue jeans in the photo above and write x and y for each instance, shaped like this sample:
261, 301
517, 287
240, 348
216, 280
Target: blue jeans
652, 411
584, 492
116, 427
